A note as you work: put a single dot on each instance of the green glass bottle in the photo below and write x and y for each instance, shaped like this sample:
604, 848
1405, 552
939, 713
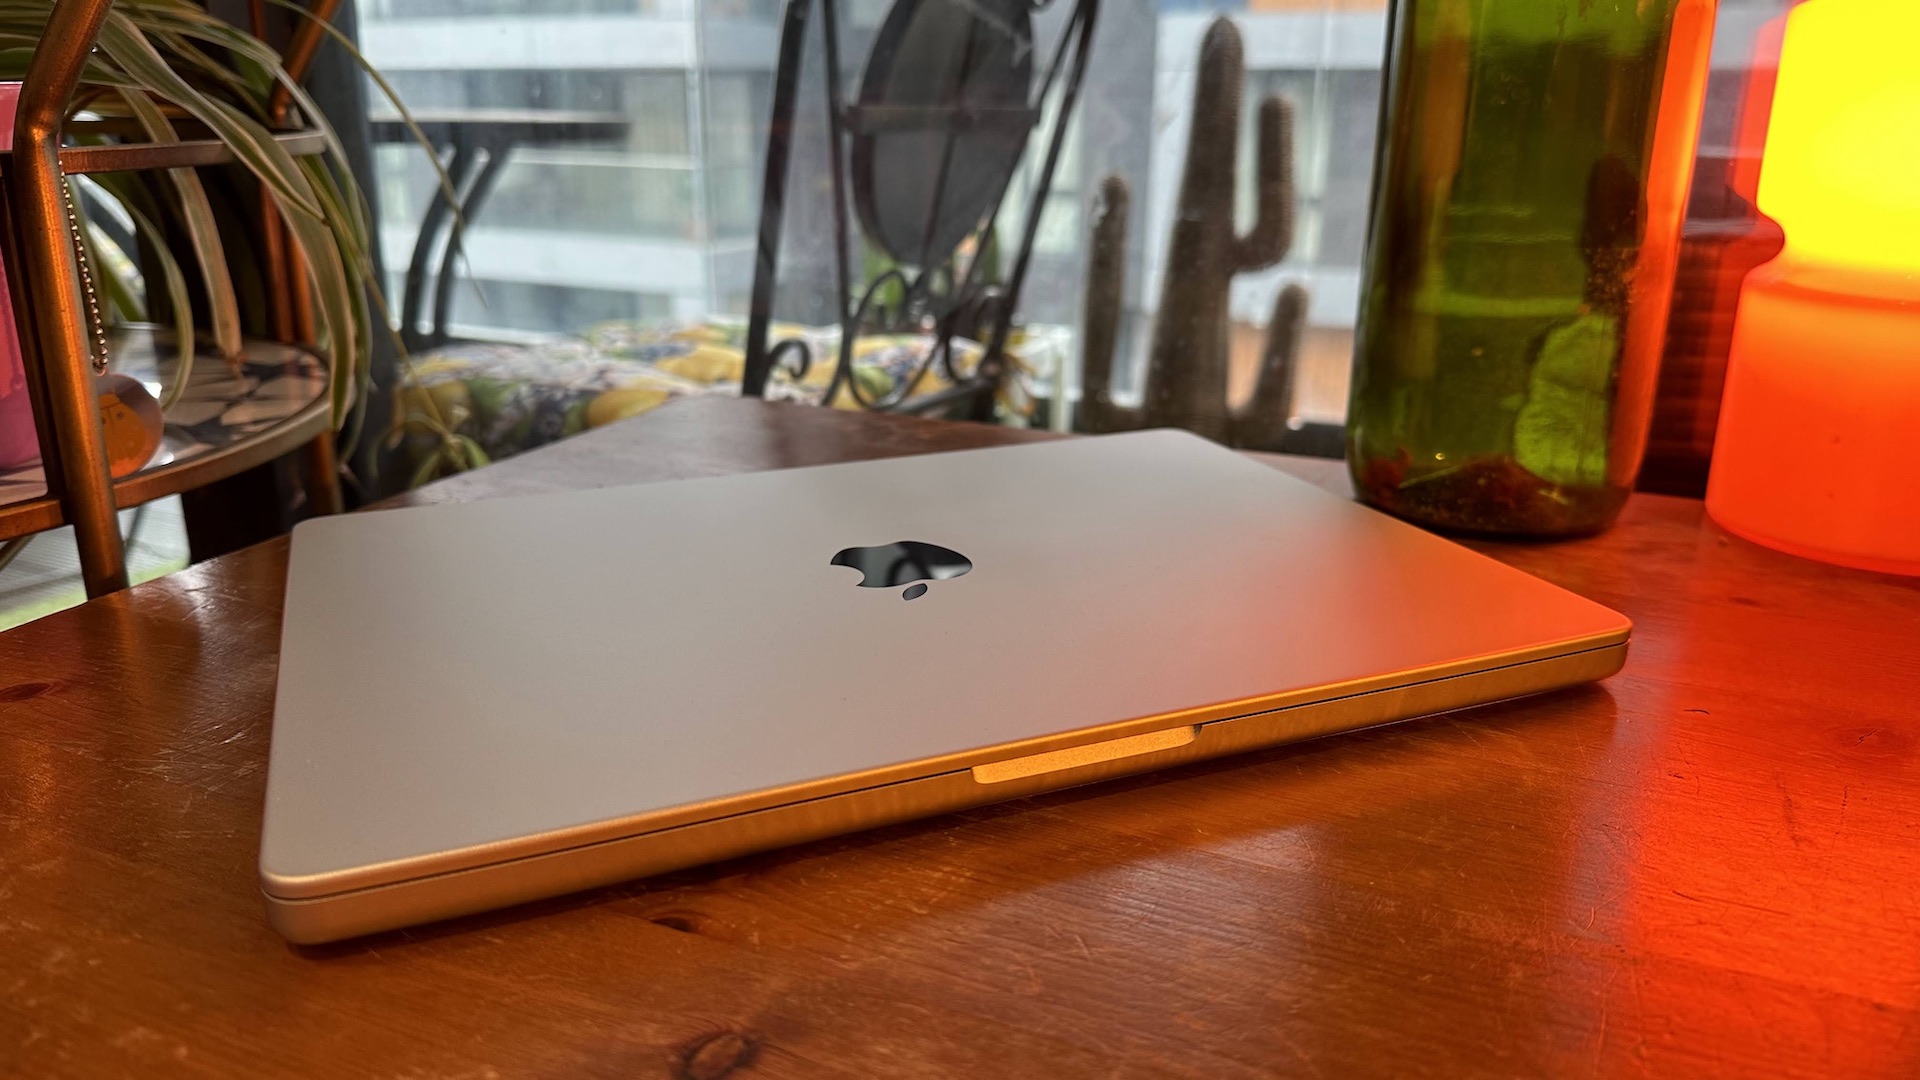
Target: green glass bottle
1532, 176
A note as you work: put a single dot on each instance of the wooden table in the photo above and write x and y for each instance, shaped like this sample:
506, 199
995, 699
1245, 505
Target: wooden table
1707, 865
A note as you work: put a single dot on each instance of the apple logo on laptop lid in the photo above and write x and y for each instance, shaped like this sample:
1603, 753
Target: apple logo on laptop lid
904, 562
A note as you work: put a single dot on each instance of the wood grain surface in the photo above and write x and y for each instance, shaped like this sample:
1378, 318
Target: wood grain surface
1709, 865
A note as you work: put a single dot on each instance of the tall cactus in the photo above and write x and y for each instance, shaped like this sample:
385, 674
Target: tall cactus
1187, 366
1105, 302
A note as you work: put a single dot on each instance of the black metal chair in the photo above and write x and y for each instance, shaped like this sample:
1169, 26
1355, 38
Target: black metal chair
478, 143
950, 103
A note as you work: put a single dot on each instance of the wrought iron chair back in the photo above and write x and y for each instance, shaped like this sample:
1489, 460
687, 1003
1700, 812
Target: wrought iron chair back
947, 110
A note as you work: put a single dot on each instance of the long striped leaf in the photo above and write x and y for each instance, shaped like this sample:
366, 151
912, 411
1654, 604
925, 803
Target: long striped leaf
203, 64
114, 266
122, 40
320, 251
351, 246
429, 466
253, 62
115, 275
392, 96
193, 22
196, 214
177, 299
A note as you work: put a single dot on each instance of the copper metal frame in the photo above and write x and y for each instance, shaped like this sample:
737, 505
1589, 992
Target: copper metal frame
297, 432
133, 157
47, 302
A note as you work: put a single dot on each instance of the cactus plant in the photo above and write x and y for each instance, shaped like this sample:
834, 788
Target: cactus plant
1105, 302
1187, 365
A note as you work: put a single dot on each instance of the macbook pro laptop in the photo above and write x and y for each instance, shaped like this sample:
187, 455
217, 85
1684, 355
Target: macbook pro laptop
488, 703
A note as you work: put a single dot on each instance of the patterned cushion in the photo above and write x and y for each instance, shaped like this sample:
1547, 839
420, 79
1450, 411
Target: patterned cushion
509, 398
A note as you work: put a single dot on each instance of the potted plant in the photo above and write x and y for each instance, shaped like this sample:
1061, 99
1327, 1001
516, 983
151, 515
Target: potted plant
164, 70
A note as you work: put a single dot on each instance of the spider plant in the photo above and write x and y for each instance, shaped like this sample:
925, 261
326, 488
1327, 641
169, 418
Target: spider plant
161, 63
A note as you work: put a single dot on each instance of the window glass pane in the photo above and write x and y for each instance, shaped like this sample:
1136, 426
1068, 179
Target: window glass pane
656, 106
650, 186
528, 306
584, 191
1353, 103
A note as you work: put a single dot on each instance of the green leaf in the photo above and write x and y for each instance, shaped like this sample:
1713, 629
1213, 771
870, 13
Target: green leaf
196, 214
116, 271
314, 233
393, 98
1560, 434
332, 294
198, 61
122, 41
476, 457
352, 247
177, 299
117, 276
429, 465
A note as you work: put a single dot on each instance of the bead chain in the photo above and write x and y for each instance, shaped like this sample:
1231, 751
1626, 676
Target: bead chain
96, 325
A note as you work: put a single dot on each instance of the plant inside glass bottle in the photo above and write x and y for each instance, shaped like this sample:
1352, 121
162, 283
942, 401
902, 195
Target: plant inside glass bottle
1533, 169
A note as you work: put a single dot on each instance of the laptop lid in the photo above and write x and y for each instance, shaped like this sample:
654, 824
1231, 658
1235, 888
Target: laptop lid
465, 683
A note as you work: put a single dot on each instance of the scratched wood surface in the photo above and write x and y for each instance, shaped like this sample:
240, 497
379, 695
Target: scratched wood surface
1708, 865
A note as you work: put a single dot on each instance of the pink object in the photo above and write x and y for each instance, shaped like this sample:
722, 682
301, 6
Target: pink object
18, 444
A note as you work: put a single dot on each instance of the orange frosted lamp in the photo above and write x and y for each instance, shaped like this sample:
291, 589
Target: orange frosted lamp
1818, 451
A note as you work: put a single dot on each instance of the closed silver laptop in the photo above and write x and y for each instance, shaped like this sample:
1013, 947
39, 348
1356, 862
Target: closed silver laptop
487, 703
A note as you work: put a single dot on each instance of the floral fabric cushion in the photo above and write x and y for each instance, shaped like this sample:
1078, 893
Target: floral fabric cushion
509, 398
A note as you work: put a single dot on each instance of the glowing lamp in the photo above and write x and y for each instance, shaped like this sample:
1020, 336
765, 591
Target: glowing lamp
1816, 451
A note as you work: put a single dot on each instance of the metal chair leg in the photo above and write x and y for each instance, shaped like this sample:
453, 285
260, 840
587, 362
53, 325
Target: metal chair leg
773, 198
439, 215
471, 199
